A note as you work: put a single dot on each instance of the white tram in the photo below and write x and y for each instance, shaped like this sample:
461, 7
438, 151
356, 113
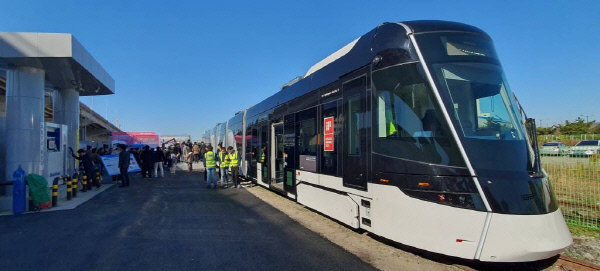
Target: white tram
410, 132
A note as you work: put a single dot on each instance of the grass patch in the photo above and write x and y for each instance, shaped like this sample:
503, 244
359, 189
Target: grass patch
583, 231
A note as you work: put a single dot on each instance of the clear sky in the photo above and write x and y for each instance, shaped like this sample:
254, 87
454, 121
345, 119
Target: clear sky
181, 66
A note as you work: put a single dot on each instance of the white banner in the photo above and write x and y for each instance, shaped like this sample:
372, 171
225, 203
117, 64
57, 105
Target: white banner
111, 164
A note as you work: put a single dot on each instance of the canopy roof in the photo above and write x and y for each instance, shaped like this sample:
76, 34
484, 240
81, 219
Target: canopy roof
66, 62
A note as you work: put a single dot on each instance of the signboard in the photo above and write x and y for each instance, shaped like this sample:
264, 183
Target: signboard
111, 164
135, 138
178, 138
328, 134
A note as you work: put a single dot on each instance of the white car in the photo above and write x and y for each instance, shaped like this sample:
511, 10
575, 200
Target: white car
585, 148
554, 148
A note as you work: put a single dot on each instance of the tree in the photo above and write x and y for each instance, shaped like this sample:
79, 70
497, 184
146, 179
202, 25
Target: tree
595, 129
579, 126
546, 130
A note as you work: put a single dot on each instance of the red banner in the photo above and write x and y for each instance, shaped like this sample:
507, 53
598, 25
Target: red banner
328, 134
136, 139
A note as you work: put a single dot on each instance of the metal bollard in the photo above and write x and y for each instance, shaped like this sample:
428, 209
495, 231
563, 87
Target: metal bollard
84, 182
55, 191
90, 182
74, 184
97, 183
69, 189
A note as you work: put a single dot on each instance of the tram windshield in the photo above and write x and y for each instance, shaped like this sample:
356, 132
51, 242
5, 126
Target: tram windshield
480, 101
474, 91
409, 124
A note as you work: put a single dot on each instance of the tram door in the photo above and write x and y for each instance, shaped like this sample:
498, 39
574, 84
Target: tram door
277, 155
355, 133
264, 157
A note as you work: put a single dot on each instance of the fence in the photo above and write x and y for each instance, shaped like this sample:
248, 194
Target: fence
568, 138
576, 184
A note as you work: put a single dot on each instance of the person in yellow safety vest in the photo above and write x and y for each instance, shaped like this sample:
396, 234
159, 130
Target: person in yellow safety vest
211, 167
263, 154
234, 163
390, 126
223, 166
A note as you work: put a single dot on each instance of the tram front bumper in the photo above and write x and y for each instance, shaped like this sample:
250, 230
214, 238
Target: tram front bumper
523, 238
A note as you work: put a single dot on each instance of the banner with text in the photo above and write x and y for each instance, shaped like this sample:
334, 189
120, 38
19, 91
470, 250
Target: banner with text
136, 139
111, 164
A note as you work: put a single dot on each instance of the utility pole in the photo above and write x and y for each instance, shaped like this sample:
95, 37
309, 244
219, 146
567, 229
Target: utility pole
587, 118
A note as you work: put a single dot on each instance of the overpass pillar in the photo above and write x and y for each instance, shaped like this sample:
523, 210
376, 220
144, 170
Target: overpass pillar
66, 111
24, 120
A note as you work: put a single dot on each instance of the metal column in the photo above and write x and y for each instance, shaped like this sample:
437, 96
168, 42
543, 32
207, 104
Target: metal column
24, 120
66, 111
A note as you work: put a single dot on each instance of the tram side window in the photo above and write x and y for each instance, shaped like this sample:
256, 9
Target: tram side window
255, 144
329, 159
264, 145
238, 137
354, 124
289, 141
409, 122
307, 140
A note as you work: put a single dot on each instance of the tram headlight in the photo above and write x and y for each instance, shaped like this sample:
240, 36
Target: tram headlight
452, 191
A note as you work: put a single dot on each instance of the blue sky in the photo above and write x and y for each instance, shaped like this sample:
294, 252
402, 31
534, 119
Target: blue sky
181, 66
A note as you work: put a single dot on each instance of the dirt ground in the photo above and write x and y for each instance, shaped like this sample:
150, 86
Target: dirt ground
585, 248
370, 249
378, 254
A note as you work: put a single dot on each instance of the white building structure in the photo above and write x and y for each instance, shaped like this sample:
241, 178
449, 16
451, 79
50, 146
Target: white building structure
37, 69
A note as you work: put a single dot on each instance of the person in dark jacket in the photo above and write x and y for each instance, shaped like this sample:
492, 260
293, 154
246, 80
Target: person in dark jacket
87, 163
124, 159
167, 157
146, 158
158, 158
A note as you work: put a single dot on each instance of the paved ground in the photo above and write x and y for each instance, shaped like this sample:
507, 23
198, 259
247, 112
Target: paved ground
168, 224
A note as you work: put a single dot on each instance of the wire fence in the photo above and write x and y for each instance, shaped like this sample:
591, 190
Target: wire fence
567, 138
576, 184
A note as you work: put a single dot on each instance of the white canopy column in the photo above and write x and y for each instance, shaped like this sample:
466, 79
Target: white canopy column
66, 111
24, 120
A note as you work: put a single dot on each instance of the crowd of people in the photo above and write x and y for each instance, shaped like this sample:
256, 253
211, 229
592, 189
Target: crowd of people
154, 162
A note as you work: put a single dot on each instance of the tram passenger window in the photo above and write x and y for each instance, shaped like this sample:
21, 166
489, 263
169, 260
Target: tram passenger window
354, 124
289, 141
307, 140
264, 145
408, 121
255, 144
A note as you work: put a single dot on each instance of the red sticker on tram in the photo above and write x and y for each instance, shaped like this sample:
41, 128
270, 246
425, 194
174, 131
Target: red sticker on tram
328, 134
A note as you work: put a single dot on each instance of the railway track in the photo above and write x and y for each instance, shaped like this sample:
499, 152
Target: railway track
572, 264
563, 263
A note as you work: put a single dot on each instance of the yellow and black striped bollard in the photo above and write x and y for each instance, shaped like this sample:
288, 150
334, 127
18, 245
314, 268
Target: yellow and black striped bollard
84, 182
74, 184
97, 183
69, 189
55, 191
